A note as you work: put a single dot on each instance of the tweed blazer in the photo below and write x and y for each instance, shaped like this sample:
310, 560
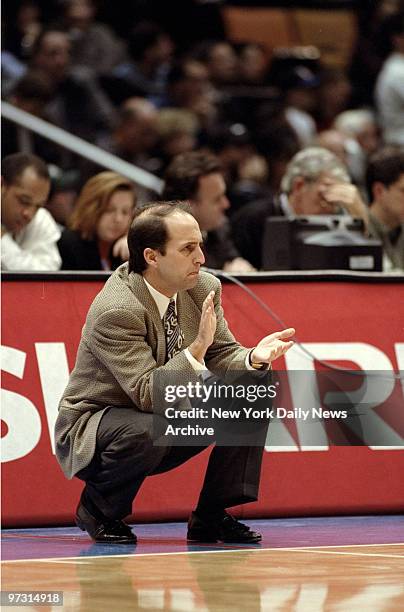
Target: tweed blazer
122, 347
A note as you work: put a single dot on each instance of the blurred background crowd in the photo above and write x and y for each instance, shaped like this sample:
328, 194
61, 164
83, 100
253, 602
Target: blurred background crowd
209, 89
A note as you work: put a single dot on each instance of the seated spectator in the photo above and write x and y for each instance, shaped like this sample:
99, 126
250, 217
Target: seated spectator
385, 183
360, 123
101, 217
31, 94
188, 86
389, 90
145, 72
244, 171
78, 105
197, 177
347, 149
253, 64
334, 141
28, 232
221, 61
178, 130
131, 139
315, 183
371, 48
93, 44
362, 134
277, 142
299, 85
22, 28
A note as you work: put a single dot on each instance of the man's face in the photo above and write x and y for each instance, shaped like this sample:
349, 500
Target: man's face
139, 134
306, 197
53, 56
210, 202
179, 267
21, 200
194, 84
392, 200
369, 138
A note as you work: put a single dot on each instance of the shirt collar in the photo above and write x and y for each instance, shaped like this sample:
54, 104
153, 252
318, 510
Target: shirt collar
161, 300
285, 206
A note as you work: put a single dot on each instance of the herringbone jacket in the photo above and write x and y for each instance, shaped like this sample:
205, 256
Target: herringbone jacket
122, 347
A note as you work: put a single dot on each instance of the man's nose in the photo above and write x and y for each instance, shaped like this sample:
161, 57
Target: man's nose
28, 213
200, 256
225, 203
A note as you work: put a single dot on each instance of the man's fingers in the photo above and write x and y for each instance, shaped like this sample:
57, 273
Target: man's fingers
208, 299
285, 333
280, 349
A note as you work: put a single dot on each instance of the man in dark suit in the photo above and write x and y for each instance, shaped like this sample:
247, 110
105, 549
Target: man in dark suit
315, 182
198, 178
157, 315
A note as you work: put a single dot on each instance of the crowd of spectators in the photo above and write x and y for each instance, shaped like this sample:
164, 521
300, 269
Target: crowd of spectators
241, 119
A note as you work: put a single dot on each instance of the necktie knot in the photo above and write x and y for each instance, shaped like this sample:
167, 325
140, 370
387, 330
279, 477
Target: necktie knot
174, 335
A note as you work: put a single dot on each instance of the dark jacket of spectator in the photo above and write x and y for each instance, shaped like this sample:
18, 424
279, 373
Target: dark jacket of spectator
80, 254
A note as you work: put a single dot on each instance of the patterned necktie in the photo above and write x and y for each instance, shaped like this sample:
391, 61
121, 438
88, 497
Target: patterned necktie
174, 334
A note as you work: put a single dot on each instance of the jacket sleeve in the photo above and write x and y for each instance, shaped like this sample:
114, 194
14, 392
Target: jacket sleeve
118, 340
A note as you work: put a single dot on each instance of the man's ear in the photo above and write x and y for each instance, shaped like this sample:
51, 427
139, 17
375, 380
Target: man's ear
150, 256
378, 190
298, 184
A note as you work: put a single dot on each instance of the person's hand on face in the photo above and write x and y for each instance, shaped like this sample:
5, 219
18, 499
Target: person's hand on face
121, 249
346, 196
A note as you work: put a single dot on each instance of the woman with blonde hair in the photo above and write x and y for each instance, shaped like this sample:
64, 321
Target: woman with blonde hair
101, 216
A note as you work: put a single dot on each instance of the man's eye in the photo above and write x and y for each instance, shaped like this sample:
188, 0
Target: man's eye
24, 202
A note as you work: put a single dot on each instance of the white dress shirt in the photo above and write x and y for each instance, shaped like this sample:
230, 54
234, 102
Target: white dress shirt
34, 248
162, 302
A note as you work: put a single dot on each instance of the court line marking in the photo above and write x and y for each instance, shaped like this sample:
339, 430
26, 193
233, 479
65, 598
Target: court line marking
233, 550
355, 554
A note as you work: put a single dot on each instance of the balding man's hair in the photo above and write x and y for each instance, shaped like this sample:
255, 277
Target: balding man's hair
132, 108
149, 230
183, 174
38, 42
14, 165
310, 164
354, 121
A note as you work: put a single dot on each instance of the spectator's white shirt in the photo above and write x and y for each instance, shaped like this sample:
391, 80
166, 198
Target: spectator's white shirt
389, 94
303, 124
33, 248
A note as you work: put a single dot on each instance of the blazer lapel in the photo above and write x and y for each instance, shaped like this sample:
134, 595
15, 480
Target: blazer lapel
158, 343
188, 317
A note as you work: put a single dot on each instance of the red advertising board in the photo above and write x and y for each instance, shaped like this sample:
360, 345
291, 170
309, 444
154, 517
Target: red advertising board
356, 324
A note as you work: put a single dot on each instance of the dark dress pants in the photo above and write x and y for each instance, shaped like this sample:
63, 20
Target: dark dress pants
126, 454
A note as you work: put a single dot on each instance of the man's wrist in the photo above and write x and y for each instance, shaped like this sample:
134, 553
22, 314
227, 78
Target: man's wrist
257, 365
197, 351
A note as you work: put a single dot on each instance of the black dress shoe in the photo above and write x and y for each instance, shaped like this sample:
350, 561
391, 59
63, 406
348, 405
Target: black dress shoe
107, 531
227, 529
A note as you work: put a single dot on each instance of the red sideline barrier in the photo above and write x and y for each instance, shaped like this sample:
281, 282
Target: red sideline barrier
353, 323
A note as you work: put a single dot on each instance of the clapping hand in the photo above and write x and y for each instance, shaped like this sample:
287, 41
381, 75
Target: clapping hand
273, 346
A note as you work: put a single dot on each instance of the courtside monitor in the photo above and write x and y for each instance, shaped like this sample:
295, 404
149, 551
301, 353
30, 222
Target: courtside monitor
319, 242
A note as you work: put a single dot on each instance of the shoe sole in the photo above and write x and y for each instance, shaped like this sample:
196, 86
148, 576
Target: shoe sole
218, 541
